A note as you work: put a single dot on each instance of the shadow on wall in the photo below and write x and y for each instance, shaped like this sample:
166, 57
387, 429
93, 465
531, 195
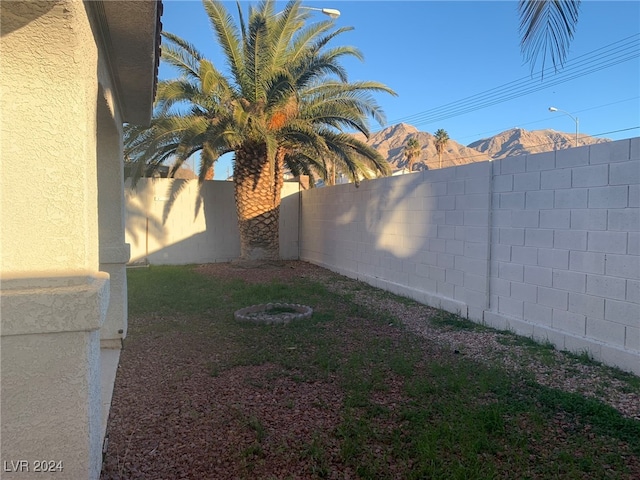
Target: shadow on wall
22, 14
369, 228
423, 235
172, 221
391, 220
545, 245
138, 226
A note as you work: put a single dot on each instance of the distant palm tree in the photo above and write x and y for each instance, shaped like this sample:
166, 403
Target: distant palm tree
442, 138
412, 151
286, 103
547, 28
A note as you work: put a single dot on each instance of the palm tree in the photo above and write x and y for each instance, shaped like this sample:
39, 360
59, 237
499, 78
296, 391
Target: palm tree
285, 104
547, 28
442, 138
412, 152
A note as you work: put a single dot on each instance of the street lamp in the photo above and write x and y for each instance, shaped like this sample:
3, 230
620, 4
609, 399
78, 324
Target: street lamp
575, 119
331, 12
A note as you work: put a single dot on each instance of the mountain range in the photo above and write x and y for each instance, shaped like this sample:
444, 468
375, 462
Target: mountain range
391, 142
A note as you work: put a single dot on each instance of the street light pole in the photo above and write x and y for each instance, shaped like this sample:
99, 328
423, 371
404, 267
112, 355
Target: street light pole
575, 119
331, 12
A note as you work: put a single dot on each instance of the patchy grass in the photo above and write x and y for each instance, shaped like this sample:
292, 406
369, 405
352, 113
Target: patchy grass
408, 408
454, 321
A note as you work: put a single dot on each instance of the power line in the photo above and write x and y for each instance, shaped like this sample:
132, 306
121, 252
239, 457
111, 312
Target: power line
623, 50
499, 130
616, 131
599, 59
480, 103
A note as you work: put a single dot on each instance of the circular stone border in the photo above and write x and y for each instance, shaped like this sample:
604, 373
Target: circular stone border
260, 313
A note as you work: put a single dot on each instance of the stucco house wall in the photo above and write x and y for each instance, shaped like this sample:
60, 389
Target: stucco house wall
65, 89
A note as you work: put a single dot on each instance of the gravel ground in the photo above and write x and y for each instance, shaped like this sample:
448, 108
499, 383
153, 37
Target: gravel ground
566, 373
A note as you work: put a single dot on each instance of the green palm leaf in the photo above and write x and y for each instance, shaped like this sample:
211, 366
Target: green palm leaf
546, 29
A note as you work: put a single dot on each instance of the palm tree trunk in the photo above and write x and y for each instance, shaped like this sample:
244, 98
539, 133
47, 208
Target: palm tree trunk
257, 188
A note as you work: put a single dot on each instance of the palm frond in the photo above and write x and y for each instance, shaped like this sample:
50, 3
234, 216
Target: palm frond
181, 54
323, 41
228, 37
546, 29
282, 31
287, 96
211, 80
306, 38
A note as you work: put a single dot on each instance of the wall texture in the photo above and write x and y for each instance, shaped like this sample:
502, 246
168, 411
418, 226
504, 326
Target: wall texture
424, 234
175, 222
61, 91
69, 71
547, 245
53, 298
565, 261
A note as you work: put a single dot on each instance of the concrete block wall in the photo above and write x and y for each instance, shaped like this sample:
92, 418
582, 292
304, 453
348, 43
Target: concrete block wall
423, 235
565, 264
546, 245
175, 222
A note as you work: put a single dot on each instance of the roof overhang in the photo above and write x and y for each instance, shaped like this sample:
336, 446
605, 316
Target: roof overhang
130, 33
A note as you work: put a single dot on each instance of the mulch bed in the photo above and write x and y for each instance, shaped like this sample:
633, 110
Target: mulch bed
171, 418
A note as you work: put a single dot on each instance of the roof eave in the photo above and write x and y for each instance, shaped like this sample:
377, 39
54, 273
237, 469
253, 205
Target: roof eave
131, 38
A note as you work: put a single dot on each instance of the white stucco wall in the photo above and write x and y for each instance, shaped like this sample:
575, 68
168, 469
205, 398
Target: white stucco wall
49, 233
198, 225
113, 251
48, 103
60, 126
51, 404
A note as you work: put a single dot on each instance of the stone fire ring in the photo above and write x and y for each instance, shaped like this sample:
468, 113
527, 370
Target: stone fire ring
273, 313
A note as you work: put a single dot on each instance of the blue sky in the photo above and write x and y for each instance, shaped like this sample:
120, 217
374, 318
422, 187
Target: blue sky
446, 59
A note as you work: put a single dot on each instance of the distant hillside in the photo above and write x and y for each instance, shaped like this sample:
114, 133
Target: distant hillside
391, 141
518, 141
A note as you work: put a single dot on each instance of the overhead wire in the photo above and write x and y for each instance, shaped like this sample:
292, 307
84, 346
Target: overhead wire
517, 87
599, 59
498, 130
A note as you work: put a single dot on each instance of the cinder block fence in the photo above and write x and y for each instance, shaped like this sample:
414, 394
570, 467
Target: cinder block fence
177, 222
546, 245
